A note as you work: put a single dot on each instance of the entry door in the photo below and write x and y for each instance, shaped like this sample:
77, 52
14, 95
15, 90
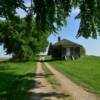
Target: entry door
68, 52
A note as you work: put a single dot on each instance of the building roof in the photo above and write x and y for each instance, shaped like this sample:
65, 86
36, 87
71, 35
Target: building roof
65, 42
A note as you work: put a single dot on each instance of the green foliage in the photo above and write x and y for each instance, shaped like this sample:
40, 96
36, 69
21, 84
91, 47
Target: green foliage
51, 14
85, 71
8, 8
82, 51
20, 42
89, 15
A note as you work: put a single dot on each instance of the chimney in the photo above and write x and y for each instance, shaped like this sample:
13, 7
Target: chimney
59, 39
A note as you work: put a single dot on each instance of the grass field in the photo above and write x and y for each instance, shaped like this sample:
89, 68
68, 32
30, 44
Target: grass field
85, 71
16, 79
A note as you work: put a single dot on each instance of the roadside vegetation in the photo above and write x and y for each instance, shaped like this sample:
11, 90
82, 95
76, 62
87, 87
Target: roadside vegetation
85, 71
16, 78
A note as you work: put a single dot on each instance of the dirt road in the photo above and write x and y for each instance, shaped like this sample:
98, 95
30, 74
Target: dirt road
43, 89
77, 92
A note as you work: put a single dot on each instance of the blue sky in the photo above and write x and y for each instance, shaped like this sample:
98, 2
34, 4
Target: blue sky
69, 32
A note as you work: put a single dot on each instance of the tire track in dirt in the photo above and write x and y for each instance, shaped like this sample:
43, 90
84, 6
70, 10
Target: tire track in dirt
43, 89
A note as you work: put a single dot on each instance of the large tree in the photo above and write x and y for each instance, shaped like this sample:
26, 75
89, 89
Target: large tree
53, 13
20, 42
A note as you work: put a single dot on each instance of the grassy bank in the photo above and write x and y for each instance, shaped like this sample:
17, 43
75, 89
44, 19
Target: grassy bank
16, 79
85, 71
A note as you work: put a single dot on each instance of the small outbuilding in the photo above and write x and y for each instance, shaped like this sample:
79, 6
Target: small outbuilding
64, 49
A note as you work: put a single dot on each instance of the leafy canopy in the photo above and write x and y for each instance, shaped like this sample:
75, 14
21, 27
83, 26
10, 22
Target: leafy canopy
51, 14
19, 42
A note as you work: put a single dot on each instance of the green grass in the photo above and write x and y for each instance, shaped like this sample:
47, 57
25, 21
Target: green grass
48, 58
85, 71
16, 79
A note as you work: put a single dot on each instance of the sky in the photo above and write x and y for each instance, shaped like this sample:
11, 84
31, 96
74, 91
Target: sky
69, 32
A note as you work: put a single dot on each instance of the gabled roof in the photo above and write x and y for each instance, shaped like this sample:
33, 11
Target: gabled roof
65, 42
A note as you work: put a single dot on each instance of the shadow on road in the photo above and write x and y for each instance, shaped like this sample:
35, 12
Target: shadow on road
41, 96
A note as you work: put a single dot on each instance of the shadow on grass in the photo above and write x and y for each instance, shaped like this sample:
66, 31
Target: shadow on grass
15, 87
36, 75
16, 61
